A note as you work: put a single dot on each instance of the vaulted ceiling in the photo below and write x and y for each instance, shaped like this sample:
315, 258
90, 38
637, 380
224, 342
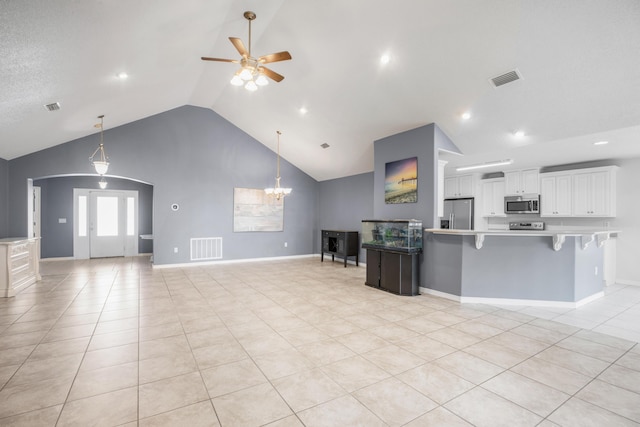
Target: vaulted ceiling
578, 60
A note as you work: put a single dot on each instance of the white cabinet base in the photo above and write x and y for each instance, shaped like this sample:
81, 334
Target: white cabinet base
19, 264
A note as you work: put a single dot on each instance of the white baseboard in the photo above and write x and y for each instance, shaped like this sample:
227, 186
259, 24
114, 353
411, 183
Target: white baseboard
628, 282
229, 261
509, 301
439, 294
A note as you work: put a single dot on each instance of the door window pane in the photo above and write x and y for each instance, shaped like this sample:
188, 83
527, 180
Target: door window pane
82, 216
130, 216
107, 216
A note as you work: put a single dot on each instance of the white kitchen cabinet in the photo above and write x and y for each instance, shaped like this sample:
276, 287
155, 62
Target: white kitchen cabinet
594, 194
19, 264
520, 182
493, 197
555, 194
459, 186
579, 193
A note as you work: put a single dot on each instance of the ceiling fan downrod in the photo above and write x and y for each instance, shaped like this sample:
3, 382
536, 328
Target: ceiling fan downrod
250, 16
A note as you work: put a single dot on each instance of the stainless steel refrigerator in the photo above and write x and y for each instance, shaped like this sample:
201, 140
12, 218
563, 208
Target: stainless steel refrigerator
458, 214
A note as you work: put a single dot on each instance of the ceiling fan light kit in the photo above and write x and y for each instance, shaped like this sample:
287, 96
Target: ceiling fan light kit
252, 72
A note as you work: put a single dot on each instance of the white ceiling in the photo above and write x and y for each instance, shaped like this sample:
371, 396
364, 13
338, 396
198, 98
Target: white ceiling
579, 60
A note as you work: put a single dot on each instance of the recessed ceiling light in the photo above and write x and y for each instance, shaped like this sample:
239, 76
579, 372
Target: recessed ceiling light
385, 59
466, 115
518, 133
601, 143
325, 145
303, 110
122, 75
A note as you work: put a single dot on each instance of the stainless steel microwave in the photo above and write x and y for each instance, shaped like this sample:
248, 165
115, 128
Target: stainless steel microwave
526, 204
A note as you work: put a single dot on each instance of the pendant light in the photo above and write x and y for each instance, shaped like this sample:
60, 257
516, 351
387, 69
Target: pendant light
277, 191
102, 163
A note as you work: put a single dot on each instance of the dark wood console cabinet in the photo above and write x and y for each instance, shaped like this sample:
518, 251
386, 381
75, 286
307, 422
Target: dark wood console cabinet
396, 272
341, 243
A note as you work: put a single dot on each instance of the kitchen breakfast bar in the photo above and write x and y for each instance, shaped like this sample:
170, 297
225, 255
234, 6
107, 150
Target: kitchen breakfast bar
547, 267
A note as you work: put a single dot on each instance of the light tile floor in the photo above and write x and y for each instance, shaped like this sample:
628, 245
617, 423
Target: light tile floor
115, 342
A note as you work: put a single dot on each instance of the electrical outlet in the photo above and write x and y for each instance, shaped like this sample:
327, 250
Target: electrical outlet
175, 250
285, 244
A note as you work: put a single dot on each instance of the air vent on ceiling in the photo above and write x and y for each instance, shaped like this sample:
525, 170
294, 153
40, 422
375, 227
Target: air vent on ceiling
52, 107
505, 78
325, 145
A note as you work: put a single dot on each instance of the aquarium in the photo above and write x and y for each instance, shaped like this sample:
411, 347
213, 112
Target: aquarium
396, 234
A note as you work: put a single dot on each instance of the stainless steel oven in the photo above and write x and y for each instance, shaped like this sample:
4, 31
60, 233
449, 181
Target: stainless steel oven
526, 204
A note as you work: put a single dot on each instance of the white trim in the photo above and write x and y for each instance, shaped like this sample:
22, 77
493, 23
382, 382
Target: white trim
70, 258
509, 301
439, 294
230, 261
628, 282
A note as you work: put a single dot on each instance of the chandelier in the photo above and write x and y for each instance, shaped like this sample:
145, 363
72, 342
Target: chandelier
277, 191
102, 162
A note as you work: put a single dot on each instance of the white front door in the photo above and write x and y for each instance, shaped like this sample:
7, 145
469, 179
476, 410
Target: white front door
106, 223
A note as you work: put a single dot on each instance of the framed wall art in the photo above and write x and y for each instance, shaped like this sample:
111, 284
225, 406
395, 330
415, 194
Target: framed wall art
401, 181
254, 210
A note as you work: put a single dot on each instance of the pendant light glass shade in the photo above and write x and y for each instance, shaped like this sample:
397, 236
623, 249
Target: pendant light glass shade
101, 163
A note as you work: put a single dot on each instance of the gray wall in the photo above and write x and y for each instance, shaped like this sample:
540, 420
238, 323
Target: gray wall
344, 203
532, 270
424, 143
4, 188
57, 202
193, 157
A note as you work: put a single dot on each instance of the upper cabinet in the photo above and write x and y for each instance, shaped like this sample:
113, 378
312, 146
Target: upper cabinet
579, 193
594, 193
555, 194
522, 182
493, 197
459, 186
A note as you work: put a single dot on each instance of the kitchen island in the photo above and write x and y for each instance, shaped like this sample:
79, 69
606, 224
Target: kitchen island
549, 267
19, 264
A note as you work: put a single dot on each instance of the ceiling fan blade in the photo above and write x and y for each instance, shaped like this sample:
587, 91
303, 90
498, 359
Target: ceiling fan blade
205, 58
237, 43
271, 74
275, 57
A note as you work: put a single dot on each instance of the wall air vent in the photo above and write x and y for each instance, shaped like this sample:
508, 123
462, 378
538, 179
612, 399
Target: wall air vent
206, 248
52, 107
505, 78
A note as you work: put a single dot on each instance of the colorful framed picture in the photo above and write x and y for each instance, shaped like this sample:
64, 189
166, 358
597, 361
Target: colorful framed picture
401, 181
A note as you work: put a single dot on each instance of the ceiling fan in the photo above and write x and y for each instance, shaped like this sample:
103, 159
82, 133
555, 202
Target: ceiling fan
252, 71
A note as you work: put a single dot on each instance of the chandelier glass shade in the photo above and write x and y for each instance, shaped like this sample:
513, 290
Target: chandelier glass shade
278, 192
99, 159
